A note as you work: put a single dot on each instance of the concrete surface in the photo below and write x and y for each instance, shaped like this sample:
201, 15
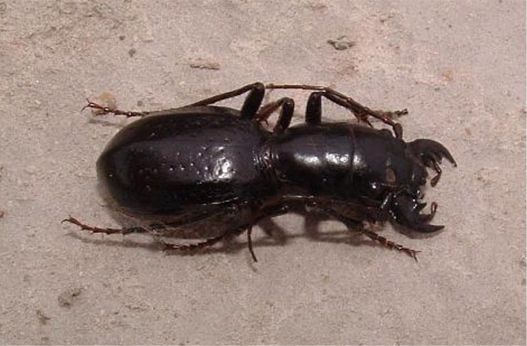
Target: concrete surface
458, 66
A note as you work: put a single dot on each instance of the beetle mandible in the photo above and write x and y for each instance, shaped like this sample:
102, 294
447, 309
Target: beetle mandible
200, 160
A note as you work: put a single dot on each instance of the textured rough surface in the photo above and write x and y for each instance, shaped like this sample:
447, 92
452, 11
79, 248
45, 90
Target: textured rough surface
459, 67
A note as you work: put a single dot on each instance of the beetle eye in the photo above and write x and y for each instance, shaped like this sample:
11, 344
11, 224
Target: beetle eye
390, 177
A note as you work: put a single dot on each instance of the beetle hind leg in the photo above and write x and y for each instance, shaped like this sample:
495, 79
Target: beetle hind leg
211, 241
203, 244
251, 104
101, 110
95, 229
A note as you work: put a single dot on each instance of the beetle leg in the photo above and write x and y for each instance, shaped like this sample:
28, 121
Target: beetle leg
93, 229
360, 111
212, 241
286, 113
355, 225
388, 243
268, 211
314, 108
101, 110
250, 106
155, 229
203, 244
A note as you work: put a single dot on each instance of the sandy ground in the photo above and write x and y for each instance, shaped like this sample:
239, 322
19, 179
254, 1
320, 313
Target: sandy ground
458, 66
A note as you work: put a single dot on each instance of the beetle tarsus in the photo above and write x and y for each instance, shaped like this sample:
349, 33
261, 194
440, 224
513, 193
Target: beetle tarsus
102, 110
200, 245
93, 229
192, 247
388, 243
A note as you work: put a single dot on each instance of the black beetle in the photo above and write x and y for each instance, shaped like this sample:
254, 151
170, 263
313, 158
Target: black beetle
200, 160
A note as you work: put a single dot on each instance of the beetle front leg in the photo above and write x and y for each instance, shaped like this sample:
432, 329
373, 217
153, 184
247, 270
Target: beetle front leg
360, 111
355, 225
388, 243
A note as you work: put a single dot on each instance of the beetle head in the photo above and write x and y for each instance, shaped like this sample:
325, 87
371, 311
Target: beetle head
406, 203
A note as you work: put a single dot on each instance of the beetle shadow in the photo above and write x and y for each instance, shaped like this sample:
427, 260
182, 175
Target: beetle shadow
276, 235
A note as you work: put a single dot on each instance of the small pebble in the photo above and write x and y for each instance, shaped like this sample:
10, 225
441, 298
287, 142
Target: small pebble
204, 64
341, 43
67, 297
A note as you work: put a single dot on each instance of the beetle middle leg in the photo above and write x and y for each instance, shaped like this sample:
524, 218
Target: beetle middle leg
257, 216
286, 113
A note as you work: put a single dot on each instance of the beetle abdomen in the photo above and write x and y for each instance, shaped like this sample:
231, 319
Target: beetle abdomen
164, 164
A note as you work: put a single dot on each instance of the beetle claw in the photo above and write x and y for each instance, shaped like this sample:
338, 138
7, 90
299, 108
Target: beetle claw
431, 154
73, 220
428, 150
427, 228
406, 213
